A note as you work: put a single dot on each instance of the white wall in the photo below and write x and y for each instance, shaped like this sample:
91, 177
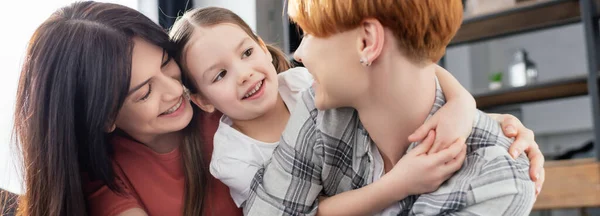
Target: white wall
265, 17
269, 21
149, 8
246, 9
14, 44
559, 53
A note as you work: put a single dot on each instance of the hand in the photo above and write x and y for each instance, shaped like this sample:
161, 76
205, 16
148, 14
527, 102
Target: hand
419, 172
453, 121
524, 142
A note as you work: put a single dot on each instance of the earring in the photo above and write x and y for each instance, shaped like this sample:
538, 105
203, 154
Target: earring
364, 62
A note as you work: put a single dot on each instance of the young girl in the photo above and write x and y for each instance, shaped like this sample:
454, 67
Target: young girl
229, 69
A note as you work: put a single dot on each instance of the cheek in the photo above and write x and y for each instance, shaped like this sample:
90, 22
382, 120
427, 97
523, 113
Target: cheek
270, 69
143, 113
262, 63
222, 95
319, 59
172, 70
133, 118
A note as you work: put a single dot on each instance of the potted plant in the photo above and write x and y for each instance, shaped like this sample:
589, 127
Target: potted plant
495, 81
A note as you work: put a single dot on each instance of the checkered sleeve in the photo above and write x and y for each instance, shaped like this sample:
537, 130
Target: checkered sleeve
490, 182
291, 183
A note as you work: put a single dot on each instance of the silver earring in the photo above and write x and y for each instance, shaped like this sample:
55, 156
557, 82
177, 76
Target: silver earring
364, 62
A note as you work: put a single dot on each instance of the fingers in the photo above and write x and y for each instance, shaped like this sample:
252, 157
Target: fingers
524, 137
424, 146
437, 145
510, 125
536, 162
524, 141
420, 133
447, 170
540, 182
450, 153
423, 130
536, 169
455, 164
517, 148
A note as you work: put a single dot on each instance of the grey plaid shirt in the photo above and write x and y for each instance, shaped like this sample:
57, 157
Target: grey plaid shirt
327, 153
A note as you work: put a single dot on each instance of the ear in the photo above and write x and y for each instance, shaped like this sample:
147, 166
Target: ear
111, 128
202, 102
372, 38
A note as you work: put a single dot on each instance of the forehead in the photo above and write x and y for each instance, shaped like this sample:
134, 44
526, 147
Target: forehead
220, 36
208, 43
143, 50
146, 59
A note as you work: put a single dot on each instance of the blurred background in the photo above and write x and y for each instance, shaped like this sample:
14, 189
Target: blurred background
535, 59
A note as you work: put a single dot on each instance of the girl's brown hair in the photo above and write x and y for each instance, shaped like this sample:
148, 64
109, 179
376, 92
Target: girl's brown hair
184, 27
74, 80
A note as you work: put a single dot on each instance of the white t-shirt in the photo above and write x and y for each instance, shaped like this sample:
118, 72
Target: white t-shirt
236, 157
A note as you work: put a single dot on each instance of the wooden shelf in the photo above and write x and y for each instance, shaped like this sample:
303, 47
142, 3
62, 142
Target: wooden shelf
571, 183
568, 87
526, 16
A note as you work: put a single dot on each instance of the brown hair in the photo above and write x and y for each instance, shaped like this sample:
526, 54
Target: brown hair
184, 27
8, 202
423, 28
74, 80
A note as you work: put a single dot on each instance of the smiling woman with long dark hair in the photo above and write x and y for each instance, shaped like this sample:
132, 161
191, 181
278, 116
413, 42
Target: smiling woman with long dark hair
96, 74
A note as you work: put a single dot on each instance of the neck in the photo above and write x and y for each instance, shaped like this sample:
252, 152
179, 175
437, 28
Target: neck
399, 99
269, 126
163, 143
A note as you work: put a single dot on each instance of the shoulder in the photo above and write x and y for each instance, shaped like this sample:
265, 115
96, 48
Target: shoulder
229, 142
101, 200
490, 146
489, 178
295, 79
486, 133
296, 72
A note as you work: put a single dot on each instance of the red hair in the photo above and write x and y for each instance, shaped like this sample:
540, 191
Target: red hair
423, 28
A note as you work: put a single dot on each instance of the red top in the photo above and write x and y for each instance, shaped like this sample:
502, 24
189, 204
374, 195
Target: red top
155, 182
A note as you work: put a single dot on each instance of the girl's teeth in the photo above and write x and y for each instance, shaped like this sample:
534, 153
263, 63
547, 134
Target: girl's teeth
254, 90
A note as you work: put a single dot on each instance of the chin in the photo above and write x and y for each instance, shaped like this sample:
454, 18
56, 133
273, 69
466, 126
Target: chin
189, 113
185, 118
320, 104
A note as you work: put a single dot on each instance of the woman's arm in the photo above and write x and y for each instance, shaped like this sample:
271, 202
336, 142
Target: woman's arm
416, 173
451, 124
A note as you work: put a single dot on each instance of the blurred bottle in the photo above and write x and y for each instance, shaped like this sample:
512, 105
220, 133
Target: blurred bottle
522, 71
